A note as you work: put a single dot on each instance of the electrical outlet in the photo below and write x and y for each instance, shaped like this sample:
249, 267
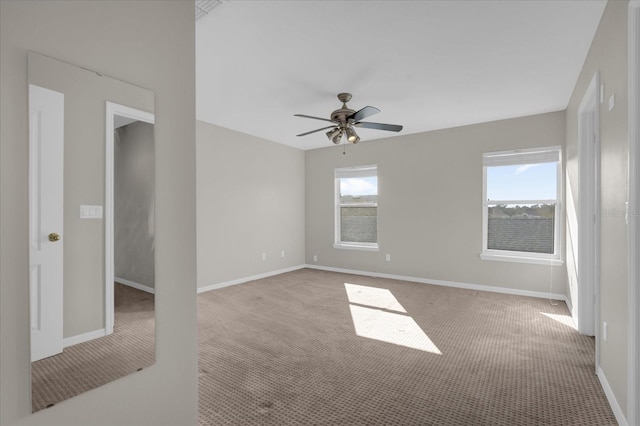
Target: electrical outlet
315, 258
264, 256
388, 257
605, 331
282, 253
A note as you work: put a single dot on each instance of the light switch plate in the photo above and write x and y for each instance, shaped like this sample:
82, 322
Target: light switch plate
90, 212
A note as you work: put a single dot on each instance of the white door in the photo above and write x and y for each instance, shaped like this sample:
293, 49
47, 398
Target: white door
46, 157
588, 216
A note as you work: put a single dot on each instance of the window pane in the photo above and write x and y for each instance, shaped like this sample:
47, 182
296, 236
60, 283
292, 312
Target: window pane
359, 224
522, 182
528, 227
359, 190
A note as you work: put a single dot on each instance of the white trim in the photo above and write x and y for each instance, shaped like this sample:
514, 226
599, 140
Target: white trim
588, 218
522, 259
109, 271
84, 337
355, 171
113, 109
485, 213
247, 279
135, 285
359, 204
613, 402
356, 246
522, 156
129, 112
633, 388
567, 300
529, 201
468, 286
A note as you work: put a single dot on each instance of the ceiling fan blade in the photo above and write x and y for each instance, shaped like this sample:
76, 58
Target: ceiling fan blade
363, 113
379, 126
310, 116
316, 130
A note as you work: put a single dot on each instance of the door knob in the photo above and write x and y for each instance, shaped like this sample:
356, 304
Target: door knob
53, 237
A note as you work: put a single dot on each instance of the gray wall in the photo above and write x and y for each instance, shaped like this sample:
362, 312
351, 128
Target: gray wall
608, 54
134, 203
85, 96
250, 202
429, 204
151, 45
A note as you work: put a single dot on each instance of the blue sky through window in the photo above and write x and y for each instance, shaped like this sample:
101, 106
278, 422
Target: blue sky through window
522, 182
359, 186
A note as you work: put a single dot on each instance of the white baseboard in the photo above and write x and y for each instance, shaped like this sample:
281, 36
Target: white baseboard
468, 286
615, 407
246, 279
84, 337
567, 300
135, 285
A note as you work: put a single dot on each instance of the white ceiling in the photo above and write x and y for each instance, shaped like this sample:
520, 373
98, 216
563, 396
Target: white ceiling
426, 64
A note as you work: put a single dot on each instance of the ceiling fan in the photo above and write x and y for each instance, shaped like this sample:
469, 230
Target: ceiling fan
345, 119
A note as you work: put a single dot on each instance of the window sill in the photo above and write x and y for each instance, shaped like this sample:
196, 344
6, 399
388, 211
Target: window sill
345, 246
522, 259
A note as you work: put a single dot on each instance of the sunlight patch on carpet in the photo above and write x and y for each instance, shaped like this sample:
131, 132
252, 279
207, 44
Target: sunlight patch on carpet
372, 296
563, 319
374, 321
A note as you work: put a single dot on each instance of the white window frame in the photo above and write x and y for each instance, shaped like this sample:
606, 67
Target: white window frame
513, 158
351, 172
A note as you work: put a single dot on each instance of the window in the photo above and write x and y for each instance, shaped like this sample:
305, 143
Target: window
521, 208
356, 217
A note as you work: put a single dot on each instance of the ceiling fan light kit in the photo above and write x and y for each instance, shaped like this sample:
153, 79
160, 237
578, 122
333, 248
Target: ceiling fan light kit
351, 135
331, 134
345, 119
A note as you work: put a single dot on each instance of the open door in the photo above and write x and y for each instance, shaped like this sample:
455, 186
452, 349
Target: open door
589, 213
46, 158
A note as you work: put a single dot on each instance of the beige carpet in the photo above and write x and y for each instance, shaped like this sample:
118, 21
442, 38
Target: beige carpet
87, 365
284, 351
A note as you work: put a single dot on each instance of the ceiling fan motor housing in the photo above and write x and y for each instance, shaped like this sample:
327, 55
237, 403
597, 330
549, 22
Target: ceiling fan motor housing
340, 115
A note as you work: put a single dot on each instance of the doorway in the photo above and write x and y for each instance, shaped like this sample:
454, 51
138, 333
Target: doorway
119, 116
588, 214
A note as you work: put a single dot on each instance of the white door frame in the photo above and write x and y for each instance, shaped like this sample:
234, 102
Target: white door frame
113, 110
633, 404
588, 212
